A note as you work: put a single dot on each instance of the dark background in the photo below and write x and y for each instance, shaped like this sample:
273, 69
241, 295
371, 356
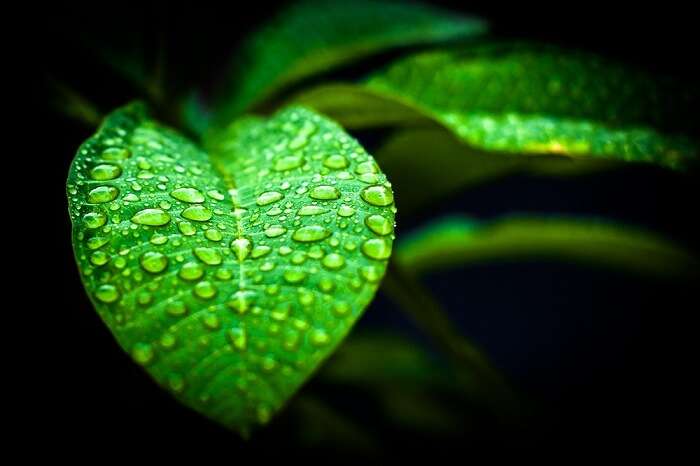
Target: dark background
609, 358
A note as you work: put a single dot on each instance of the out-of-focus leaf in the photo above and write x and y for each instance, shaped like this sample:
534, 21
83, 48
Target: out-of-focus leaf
531, 99
460, 241
432, 158
230, 276
315, 36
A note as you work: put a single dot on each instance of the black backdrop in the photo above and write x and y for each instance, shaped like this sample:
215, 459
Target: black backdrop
609, 356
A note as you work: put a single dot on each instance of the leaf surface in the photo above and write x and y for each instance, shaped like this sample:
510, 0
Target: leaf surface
459, 241
315, 36
533, 100
230, 276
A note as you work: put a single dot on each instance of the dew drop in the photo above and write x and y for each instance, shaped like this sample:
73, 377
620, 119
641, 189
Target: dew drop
268, 198
335, 162
102, 194
151, 217
310, 233
294, 276
324, 193
191, 271
238, 338
191, 195
242, 300
105, 172
288, 163
153, 262
346, 211
205, 290
209, 256
241, 247
142, 353
320, 337
211, 321
186, 228
198, 213
116, 153
99, 258
377, 248
379, 224
260, 251
333, 261
367, 167
274, 231
213, 235
312, 210
97, 242
371, 273
176, 309
94, 220
377, 195
107, 294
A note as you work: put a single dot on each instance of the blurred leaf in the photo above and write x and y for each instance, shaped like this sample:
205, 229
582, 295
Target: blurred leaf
431, 157
459, 241
230, 313
315, 36
531, 99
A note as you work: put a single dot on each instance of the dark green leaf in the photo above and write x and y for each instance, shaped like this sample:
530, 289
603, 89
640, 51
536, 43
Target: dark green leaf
316, 36
230, 277
527, 99
459, 241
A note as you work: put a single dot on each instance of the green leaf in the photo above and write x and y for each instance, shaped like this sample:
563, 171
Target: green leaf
315, 36
535, 100
403, 158
459, 241
232, 276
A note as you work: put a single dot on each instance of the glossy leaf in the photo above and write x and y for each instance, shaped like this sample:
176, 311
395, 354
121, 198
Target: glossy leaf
315, 36
460, 241
528, 99
229, 277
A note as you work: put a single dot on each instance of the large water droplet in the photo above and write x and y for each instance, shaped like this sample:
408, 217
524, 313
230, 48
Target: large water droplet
310, 233
377, 248
213, 234
242, 300
191, 195
324, 193
209, 256
294, 276
335, 162
105, 172
102, 194
268, 198
367, 167
153, 262
94, 220
151, 217
198, 213
274, 231
238, 338
107, 294
191, 271
377, 195
97, 242
186, 228
333, 261
116, 153
346, 211
99, 258
205, 289
142, 353
260, 251
379, 224
312, 210
241, 247
320, 337
288, 163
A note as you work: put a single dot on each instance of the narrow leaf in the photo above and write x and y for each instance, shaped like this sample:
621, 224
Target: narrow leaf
531, 99
460, 241
315, 36
229, 277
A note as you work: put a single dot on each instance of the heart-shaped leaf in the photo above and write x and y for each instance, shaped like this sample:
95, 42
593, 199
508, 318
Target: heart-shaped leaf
530, 99
315, 36
229, 277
